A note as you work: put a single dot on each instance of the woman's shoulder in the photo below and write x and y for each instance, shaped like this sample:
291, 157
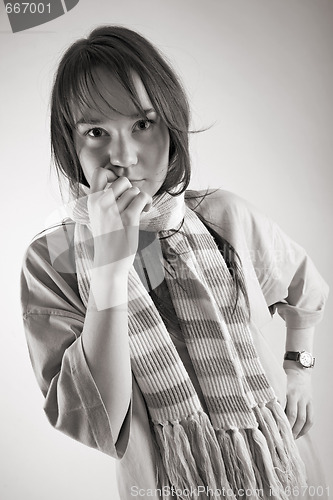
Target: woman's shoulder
233, 217
48, 279
52, 247
219, 203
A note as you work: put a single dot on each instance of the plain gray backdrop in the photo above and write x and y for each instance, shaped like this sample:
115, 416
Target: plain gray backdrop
260, 71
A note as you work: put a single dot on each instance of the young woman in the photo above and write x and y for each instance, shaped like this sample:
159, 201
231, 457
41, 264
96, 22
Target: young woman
143, 309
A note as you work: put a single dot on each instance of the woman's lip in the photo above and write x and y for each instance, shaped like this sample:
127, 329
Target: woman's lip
130, 178
132, 181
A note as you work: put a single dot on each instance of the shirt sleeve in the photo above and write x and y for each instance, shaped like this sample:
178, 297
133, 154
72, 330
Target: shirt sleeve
289, 280
294, 286
53, 318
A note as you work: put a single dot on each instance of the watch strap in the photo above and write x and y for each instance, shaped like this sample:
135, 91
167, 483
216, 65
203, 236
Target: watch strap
292, 355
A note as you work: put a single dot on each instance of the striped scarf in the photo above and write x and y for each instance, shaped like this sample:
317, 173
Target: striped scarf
243, 441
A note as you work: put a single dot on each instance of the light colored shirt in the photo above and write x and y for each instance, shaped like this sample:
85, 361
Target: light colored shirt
278, 274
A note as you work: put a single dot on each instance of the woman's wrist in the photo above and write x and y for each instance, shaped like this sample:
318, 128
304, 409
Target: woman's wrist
295, 366
109, 285
299, 340
115, 246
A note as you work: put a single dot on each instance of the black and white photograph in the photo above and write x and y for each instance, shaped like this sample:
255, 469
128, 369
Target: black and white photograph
166, 249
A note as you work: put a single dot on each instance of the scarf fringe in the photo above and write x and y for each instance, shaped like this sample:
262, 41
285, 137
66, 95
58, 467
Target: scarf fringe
178, 458
244, 457
238, 460
233, 467
206, 451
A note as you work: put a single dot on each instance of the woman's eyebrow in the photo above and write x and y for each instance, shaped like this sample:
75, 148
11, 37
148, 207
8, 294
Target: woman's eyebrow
98, 121
146, 112
90, 121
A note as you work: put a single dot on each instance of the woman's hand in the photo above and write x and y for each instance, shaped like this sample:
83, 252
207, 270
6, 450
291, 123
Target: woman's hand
114, 217
299, 406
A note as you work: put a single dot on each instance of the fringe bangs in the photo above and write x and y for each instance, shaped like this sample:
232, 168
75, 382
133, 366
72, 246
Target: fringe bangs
84, 90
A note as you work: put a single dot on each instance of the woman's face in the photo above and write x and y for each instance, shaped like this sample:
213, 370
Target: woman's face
125, 143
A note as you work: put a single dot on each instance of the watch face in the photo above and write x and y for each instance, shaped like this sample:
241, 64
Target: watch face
305, 359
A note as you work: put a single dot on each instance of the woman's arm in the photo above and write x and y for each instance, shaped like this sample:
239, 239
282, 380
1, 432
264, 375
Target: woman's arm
293, 287
81, 357
106, 346
114, 214
54, 318
299, 405
289, 282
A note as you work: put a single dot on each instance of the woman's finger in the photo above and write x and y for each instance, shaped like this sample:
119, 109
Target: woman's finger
120, 186
132, 213
308, 422
291, 410
100, 178
300, 420
126, 198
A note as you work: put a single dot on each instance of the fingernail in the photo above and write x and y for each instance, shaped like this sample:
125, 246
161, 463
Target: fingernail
147, 207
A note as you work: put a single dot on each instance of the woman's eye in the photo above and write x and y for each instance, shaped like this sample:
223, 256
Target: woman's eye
96, 132
144, 124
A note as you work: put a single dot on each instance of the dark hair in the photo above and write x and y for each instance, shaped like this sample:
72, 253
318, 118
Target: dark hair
119, 51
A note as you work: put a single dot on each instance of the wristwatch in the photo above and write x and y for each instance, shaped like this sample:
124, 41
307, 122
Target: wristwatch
304, 358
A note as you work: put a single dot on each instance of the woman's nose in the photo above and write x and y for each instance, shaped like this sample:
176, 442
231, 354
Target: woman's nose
123, 152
